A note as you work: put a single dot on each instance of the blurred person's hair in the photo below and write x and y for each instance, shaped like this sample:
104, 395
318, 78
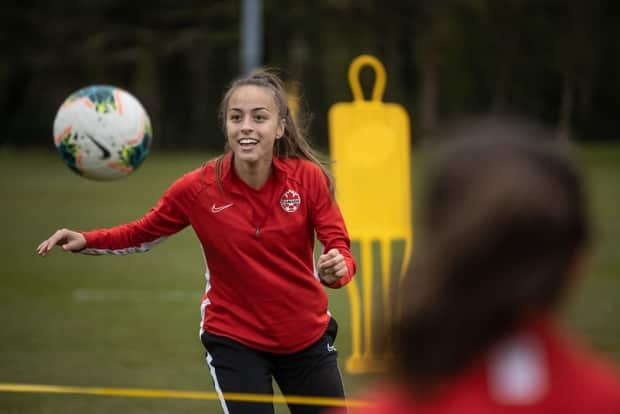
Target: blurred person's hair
293, 143
504, 222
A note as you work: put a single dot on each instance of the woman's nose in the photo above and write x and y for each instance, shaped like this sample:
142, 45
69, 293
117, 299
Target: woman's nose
246, 124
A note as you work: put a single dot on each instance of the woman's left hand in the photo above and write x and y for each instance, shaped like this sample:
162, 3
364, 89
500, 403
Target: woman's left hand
331, 266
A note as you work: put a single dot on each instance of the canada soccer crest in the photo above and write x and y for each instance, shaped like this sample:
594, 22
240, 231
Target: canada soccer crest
290, 201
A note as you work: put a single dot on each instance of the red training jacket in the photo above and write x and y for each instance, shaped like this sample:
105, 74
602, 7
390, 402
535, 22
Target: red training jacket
262, 287
539, 370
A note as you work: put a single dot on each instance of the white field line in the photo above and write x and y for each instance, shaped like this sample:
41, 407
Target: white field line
127, 295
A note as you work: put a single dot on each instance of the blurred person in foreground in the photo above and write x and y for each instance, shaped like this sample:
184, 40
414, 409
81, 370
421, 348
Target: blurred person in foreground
504, 235
256, 210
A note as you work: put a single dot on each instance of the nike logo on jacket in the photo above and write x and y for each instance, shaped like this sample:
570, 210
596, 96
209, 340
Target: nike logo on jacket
217, 209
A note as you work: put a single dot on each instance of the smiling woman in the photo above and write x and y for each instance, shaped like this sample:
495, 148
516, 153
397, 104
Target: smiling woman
256, 211
253, 124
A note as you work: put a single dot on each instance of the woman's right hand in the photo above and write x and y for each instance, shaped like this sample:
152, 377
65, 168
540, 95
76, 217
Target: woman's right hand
69, 240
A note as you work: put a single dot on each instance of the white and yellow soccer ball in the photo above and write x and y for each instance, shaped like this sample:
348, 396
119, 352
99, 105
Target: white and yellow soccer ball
102, 132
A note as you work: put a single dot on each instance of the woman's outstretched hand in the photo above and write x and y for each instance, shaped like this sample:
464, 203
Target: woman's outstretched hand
68, 240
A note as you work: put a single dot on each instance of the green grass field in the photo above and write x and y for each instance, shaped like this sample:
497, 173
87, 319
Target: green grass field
132, 321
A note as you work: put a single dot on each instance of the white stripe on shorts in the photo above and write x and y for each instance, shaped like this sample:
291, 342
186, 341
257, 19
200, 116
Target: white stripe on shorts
217, 384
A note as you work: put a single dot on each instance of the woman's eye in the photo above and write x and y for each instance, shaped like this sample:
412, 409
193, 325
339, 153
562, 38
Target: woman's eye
234, 118
259, 118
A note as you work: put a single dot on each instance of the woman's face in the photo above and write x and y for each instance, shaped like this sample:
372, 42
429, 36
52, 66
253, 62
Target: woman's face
253, 124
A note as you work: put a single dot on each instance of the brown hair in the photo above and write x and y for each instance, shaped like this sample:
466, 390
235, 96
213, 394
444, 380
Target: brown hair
504, 219
293, 143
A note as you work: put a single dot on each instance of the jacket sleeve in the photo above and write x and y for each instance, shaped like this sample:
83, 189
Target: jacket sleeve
330, 226
169, 216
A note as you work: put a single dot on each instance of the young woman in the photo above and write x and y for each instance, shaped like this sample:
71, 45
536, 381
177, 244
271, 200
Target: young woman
256, 210
504, 235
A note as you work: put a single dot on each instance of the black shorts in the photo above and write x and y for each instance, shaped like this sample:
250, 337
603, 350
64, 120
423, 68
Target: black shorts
236, 368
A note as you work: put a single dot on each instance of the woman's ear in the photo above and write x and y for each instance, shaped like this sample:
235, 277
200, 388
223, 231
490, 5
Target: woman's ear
579, 265
577, 269
281, 128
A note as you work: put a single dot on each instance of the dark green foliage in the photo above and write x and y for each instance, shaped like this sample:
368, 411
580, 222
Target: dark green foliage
555, 60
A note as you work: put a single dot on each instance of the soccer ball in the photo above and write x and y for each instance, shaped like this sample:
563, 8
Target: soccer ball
102, 132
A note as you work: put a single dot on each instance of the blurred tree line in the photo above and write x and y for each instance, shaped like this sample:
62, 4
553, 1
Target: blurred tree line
556, 60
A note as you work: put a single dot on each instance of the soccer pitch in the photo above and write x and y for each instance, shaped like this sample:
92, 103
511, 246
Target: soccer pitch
132, 321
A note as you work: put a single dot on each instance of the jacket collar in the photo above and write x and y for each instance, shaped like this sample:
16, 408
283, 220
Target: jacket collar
280, 168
